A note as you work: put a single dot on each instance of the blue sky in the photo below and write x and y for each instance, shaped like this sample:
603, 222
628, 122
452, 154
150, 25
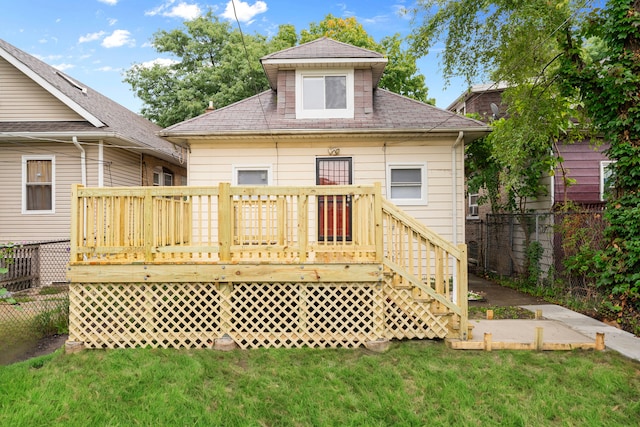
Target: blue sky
95, 41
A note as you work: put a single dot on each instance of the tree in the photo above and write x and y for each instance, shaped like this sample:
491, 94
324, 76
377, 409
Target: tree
212, 63
609, 86
513, 43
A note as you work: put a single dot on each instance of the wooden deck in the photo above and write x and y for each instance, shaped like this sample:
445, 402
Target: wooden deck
262, 266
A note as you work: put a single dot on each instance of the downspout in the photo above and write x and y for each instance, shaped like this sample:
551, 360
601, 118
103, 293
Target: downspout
454, 184
83, 160
101, 163
454, 213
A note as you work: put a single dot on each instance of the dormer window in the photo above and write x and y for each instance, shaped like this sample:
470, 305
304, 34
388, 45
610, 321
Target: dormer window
324, 94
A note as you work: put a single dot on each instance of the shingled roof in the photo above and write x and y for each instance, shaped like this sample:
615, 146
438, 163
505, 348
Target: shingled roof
105, 118
259, 115
323, 52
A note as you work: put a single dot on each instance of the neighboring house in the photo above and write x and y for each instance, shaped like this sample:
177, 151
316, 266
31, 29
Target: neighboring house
325, 121
583, 163
55, 132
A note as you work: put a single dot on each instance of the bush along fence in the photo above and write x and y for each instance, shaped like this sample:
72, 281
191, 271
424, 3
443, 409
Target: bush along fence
34, 298
552, 252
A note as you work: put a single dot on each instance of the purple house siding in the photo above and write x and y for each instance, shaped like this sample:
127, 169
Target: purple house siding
581, 162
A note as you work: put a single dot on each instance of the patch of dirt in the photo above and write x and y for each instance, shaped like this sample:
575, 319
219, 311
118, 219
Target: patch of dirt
28, 350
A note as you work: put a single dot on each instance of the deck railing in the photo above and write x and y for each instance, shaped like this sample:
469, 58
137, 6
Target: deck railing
224, 223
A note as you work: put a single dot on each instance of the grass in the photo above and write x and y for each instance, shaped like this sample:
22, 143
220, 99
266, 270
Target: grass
415, 383
501, 312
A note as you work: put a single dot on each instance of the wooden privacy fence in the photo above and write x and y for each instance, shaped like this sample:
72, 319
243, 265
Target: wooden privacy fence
263, 266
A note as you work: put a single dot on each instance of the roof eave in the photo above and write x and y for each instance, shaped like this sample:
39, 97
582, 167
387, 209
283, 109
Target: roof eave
470, 133
114, 138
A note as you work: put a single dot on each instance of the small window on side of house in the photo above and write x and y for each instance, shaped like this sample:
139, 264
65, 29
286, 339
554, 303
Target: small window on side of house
407, 183
162, 177
252, 175
473, 205
607, 182
38, 183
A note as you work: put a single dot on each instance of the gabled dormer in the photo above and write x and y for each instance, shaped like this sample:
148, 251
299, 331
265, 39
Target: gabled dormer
324, 79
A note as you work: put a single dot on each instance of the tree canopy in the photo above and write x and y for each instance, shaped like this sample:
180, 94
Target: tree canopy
214, 62
514, 44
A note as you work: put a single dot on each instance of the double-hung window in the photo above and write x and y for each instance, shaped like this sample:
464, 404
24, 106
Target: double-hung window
38, 187
407, 183
473, 205
324, 94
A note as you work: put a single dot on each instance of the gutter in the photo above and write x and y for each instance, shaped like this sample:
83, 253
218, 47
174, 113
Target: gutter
454, 184
226, 134
83, 160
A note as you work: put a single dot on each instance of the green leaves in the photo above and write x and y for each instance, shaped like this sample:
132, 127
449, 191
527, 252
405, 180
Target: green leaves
609, 86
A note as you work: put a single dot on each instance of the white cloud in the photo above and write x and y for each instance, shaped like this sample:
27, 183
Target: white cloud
91, 37
112, 21
182, 10
163, 62
63, 66
401, 12
244, 11
109, 2
118, 38
107, 68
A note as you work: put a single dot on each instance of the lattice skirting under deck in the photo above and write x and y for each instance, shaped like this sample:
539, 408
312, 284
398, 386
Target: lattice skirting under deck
194, 315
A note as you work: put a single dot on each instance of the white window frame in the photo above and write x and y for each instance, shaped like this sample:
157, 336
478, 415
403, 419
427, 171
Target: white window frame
473, 206
603, 166
345, 113
159, 172
25, 159
239, 168
423, 184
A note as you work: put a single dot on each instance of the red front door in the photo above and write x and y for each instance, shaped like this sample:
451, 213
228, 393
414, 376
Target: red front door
334, 212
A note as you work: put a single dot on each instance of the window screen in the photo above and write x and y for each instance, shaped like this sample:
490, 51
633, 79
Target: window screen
253, 177
406, 183
39, 185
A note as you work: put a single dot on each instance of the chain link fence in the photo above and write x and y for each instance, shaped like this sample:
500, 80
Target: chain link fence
35, 297
553, 249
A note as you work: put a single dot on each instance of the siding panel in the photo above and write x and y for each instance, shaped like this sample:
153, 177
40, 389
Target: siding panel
211, 164
18, 227
24, 100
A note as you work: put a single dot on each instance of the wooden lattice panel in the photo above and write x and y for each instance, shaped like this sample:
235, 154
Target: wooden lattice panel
407, 317
136, 315
252, 314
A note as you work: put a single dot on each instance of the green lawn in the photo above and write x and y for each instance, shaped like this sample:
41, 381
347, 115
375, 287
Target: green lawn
415, 383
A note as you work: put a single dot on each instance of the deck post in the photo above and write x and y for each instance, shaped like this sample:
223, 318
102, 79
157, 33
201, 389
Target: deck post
77, 218
303, 226
377, 212
224, 220
462, 296
148, 225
